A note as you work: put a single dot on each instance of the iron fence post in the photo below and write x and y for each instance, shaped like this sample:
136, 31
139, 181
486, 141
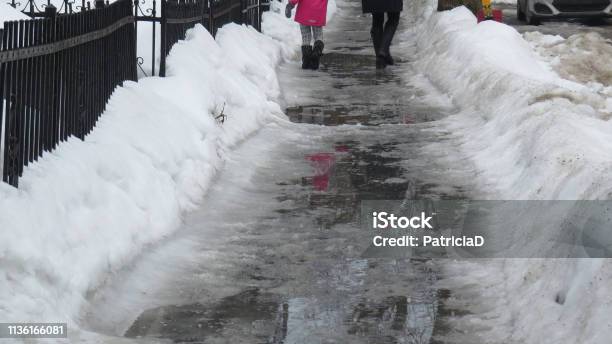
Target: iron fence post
99, 4
51, 13
243, 13
135, 9
162, 48
153, 14
211, 18
259, 14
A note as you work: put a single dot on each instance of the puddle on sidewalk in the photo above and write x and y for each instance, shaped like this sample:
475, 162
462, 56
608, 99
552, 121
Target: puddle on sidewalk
307, 282
251, 312
300, 272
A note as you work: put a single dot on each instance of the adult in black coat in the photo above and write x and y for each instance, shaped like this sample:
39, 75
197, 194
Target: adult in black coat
382, 33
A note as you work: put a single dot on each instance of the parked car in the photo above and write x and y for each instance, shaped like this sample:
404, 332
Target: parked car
532, 11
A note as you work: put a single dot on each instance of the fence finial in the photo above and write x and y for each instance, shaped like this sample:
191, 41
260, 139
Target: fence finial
50, 11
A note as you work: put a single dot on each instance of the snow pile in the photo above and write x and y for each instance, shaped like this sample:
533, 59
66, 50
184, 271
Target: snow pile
581, 58
531, 132
88, 208
532, 135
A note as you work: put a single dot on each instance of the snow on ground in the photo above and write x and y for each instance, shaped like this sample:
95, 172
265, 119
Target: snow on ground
537, 128
581, 58
87, 209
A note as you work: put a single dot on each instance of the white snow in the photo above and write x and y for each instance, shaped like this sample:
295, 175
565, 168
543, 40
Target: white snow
535, 130
87, 209
8, 13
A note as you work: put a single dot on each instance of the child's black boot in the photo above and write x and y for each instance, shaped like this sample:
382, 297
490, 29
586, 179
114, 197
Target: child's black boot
306, 56
317, 52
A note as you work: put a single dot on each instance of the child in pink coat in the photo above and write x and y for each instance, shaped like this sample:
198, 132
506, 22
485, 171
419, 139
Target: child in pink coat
312, 15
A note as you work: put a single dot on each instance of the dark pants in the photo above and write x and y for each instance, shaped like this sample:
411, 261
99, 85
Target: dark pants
382, 33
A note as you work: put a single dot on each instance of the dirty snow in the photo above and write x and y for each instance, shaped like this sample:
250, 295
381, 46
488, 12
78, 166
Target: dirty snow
581, 58
536, 125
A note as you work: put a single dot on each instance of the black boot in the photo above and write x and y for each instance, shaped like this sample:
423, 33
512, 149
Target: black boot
388, 58
317, 52
381, 62
306, 56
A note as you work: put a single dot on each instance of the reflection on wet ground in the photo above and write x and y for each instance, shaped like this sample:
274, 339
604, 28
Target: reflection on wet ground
367, 114
300, 276
250, 310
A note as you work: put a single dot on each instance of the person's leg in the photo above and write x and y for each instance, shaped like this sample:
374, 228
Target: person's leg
387, 37
306, 34
317, 49
317, 33
306, 47
378, 21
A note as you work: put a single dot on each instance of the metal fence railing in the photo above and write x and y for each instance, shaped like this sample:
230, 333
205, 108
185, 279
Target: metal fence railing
251, 13
176, 19
177, 16
57, 72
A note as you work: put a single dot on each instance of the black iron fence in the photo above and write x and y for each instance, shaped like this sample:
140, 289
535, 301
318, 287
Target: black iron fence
177, 16
57, 72
176, 19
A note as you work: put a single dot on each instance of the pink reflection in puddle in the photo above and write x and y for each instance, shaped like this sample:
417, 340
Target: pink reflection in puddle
322, 164
408, 119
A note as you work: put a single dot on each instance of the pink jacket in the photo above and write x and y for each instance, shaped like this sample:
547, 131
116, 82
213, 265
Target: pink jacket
311, 12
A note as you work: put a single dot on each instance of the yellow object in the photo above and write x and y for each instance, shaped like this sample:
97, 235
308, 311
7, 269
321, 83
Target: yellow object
486, 8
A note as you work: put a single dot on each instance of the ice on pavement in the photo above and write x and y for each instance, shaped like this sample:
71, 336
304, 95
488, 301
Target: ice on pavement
87, 209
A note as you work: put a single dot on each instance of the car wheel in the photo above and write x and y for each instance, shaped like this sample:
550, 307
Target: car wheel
520, 13
529, 17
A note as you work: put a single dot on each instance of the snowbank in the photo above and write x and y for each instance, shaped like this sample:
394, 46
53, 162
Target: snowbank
581, 58
531, 132
532, 135
88, 208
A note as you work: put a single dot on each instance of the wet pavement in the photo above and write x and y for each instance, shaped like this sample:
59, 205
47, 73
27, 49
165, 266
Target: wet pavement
274, 255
